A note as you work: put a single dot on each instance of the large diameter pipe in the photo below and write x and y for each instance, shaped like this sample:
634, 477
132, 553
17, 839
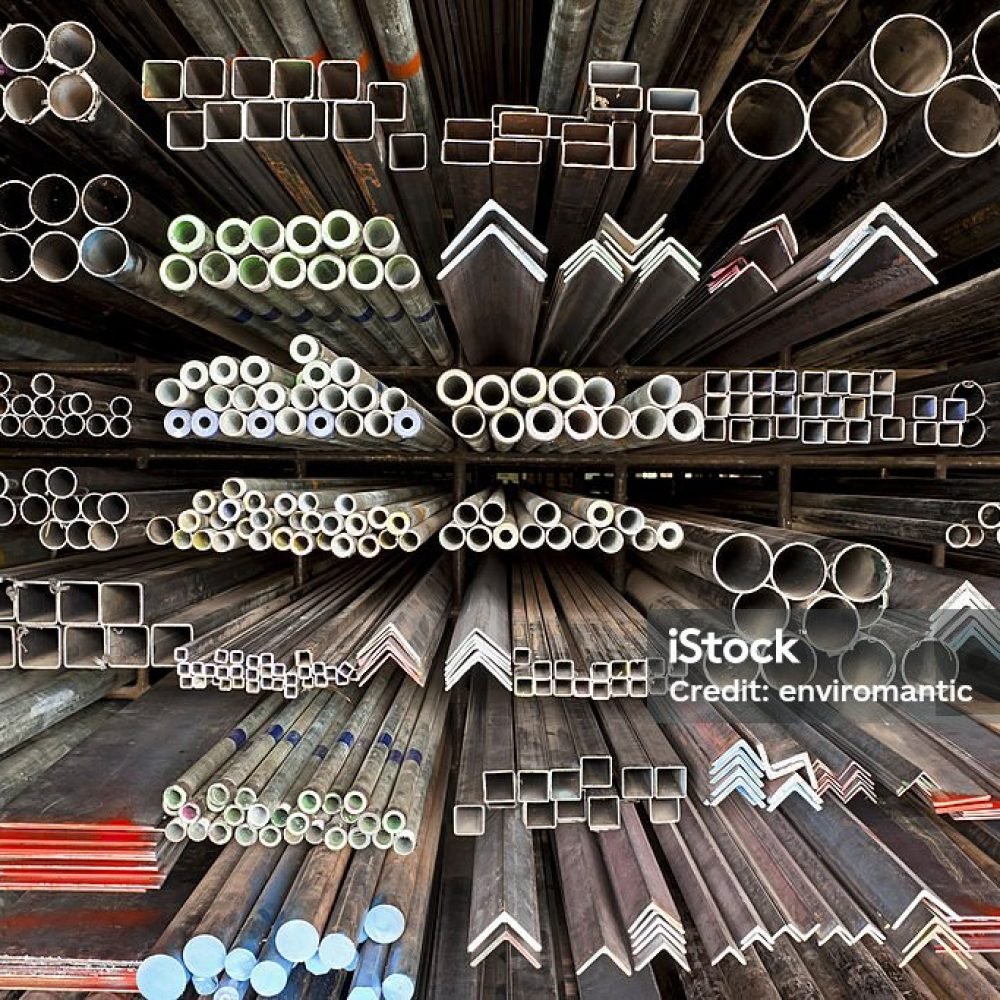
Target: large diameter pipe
908, 56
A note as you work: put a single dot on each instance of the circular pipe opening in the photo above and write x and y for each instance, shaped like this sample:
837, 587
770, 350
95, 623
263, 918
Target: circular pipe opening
847, 121
73, 97
54, 199
106, 200
799, 570
22, 47
742, 562
766, 120
867, 663
26, 99
910, 55
16, 205
962, 117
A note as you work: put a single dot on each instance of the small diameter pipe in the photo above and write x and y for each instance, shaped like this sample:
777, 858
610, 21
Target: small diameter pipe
188, 235
381, 237
455, 387
506, 428
529, 387
342, 233
491, 394
565, 388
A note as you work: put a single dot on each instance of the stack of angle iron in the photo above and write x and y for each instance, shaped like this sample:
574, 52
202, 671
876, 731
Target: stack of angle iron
41, 222
127, 610
840, 598
342, 768
565, 412
839, 407
563, 761
53, 407
612, 895
553, 629
611, 291
553, 519
765, 771
345, 517
495, 320
352, 286
338, 629
330, 402
482, 635
870, 861
79, 826
83, 509
744, 314
268, 920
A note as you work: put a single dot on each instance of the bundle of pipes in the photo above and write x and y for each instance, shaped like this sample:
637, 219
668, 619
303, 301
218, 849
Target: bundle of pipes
331, 402
563, 761
829, 591
555, 519
57, 835
268, 919
835, 406
340, 768
345, 517
74, 612
41, 222
89, 88
609, 293
67, 510
51, 407
565, 412
339, 630
352, 286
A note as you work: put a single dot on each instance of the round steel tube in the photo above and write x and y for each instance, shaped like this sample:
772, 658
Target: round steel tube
26, 100
15, 257
962, 117
15, 206
455, 387
766, 120
54, 199
846, 121
742, 562
55, 257
528, 387
22, 47
867, 663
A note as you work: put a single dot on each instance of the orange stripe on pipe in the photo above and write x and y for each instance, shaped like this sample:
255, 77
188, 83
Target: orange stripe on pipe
403, 71
364, 60
317, 57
